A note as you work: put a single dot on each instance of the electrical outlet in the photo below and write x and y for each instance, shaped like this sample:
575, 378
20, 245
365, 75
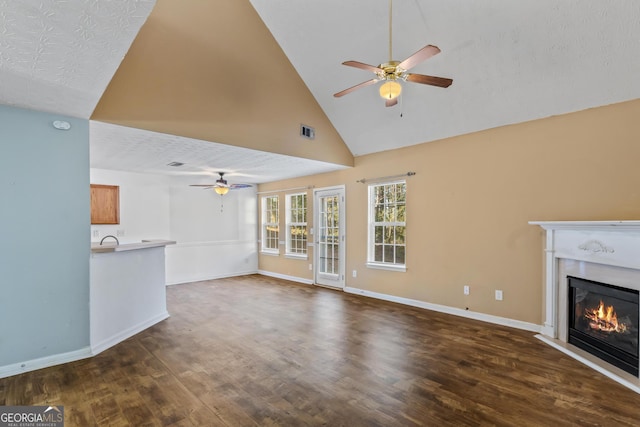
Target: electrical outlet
498, 295
120, 233
355, 273
96, 233
310, 267
466, 290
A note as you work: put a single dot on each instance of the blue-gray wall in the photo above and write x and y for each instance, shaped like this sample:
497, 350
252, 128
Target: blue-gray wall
44, 235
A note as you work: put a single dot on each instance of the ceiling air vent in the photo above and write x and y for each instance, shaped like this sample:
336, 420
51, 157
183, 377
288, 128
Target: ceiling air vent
175, 164
307, 132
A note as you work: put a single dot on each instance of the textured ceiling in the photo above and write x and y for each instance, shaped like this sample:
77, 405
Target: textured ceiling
120, 148
510, 62
59, 56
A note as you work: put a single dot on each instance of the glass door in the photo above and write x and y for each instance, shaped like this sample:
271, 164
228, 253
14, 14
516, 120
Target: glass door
329, 253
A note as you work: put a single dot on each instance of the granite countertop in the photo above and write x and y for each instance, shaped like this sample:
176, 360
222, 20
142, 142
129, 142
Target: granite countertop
113, 247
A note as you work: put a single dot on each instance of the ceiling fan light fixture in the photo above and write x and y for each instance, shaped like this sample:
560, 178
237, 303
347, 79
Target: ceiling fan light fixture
221, 190
391, 89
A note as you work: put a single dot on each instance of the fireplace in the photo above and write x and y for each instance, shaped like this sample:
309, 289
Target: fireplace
588, 262
603, 320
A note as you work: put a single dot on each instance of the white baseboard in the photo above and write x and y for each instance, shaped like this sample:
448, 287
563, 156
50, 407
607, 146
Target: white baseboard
286, 277
128, 333
44, 362
83, 353
518, 324
205, 278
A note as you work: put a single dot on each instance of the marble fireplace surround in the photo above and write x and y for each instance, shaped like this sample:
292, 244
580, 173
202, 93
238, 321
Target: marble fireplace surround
604, 251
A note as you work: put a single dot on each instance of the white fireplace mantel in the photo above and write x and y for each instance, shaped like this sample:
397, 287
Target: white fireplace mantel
615, 243
608, 249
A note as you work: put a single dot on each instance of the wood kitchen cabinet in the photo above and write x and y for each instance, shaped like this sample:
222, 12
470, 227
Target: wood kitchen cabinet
105, 204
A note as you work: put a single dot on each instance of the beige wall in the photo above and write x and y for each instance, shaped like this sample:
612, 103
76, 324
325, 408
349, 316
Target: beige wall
213, 71
469, 203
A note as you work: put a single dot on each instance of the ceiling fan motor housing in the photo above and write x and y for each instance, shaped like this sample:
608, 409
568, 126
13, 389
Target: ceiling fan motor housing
390, 71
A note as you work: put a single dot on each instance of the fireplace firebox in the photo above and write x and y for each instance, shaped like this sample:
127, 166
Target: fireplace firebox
603, 320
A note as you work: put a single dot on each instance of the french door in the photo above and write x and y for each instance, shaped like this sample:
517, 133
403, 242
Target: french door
330, 241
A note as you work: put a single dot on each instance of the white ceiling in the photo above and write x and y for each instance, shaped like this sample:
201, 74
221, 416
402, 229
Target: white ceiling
510, 62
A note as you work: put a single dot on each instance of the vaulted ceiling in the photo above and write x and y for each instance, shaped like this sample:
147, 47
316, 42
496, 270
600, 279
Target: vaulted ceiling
234, 79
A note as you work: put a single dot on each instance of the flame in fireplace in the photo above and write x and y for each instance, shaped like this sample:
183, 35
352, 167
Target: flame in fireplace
604, 319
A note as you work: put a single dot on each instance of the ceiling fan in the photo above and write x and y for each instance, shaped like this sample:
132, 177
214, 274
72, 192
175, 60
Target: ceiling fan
221, 186
392, 72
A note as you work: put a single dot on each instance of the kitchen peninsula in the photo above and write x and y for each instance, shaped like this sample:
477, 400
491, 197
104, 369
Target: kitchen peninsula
127, 290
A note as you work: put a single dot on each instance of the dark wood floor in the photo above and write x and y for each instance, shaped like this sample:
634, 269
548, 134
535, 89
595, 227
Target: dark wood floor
257, 351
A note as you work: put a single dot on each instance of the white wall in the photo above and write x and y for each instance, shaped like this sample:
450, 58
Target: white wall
210, 243
216, 234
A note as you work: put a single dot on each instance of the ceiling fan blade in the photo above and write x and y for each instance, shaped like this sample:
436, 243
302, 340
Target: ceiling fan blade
202, 185
235, 186
352, 88
422, 55
363, 66
429, 80
391, 102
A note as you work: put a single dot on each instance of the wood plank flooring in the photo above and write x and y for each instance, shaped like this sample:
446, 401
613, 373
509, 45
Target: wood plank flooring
258, 351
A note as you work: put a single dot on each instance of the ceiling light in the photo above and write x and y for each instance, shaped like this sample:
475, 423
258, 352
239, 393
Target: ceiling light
221, 190
390, 89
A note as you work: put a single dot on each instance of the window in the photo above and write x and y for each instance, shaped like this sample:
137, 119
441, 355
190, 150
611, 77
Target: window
296, 205
387, 225
270, 224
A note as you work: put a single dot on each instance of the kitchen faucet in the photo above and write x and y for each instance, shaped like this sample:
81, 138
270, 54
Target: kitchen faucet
109, 235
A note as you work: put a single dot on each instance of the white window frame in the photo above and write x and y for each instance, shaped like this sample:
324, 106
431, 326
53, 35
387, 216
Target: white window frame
268, 222
289, 223
372, 224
